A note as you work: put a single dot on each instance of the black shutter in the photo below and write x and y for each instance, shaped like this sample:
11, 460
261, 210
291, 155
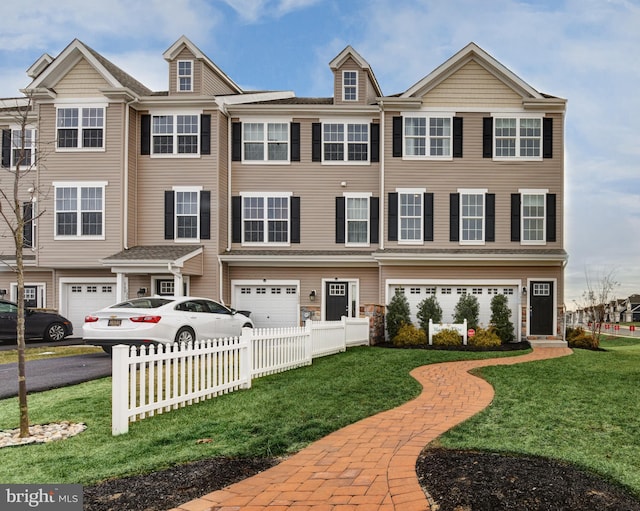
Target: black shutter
168, 215
547, 137
236, 141
397, 137
295, 219
316, 141
490, 217
454, 217
205, 134
340, 220
375, 142
6, 148
515, 217
457, 137
374, 219
295, 141
27, 232
145, 134
236, 219
487, 137
428, 217
393, 216
205, 215
551, 217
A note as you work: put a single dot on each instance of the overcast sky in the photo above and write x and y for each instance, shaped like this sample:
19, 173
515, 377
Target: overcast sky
583, 50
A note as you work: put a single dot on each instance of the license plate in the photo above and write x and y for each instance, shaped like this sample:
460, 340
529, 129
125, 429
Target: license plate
114, 322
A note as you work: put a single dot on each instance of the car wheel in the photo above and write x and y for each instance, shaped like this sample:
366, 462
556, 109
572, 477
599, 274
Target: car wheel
185, 334
247, 325
54, 332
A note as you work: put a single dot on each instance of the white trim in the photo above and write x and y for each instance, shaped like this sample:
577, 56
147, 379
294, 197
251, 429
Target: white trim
344, 87
186, 189
517, 117
411, 191
544, 193
268, 282
191, 75
427, 116
78, 185
355, 195
345, 142
555, 303
265, 220
174, 134
80, 127
473, 191
350, 299
42, 292
265, 140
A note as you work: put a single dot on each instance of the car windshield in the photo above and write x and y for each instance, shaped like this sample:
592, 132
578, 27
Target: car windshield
8, 307
142, 303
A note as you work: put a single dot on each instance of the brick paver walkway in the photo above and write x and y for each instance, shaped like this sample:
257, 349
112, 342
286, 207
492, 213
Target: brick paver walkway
370, 465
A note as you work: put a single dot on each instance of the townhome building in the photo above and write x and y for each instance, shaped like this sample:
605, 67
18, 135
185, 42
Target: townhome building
292, 207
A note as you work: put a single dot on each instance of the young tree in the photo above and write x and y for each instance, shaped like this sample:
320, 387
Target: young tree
467, 308
16, 210
600, 287
501, 318
429, 309
398, 314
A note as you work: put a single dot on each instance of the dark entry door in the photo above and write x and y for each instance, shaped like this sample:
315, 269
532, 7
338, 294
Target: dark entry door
337, 300
30, 296
541, 308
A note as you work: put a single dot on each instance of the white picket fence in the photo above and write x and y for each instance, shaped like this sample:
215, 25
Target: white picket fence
156, 379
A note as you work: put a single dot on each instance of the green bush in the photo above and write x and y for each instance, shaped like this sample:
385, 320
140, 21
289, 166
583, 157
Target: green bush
580, 338
467, 308
485, 338
409, 335
429, 309
398, 314
447, 337
500, 318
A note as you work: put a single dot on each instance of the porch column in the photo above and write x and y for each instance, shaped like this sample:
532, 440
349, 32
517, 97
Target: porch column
122, 287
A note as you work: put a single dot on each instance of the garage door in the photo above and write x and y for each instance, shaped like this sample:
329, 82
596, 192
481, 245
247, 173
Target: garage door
83, 299
270, 305
448, 297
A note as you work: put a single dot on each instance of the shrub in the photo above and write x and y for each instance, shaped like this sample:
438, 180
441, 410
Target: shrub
500, 318
485, 338
467, 308
398, 314
579, 338
447, 337
409, 335
429, 309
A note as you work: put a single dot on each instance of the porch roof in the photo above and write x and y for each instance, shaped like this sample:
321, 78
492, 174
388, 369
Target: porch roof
157, 258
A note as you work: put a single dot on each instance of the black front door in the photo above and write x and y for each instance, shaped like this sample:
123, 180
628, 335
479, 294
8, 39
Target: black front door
337, 300
30, 296
541, 308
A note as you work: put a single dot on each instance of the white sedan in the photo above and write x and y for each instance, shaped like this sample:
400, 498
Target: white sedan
162, 320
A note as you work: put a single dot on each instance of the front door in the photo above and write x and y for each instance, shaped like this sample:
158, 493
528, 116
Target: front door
337, 300
541, 308
31, 296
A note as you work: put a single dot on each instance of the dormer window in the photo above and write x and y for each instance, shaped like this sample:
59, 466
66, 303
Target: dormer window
350, 85
185, 76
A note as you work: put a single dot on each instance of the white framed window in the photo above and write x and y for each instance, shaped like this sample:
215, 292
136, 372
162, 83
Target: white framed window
427, 137
533, 217
345, 142
517, 137
410, 215
472, 216
185, 75
357, 219
79, 210
80, 127
266, 219
350, 85
175, 134
187, 213
265, 141
23, 149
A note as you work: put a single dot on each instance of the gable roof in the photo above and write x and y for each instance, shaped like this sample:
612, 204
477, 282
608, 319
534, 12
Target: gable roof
176, 47
69, 57
473, 52
350, 52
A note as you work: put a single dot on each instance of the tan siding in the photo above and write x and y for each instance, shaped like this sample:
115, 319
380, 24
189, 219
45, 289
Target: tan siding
134, 150
82, 81
212, 83
185, 54
472, 85
219, 144
350, 65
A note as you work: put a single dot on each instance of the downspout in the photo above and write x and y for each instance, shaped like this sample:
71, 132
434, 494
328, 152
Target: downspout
229, 209
382, 138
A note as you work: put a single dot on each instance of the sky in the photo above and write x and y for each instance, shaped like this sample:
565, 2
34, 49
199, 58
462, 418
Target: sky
582, 50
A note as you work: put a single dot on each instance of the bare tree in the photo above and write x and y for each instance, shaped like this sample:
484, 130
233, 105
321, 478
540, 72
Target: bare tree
600, 287
18, 213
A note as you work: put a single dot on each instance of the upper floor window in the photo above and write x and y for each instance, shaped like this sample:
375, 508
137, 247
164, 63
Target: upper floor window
357, 220
349, 85
79, 210
472, 216
265, 219
187, 210
345, 142
428, 136
533, 217
410, 215
185, 76
175, 134
21, 148
265, 141
80, 127
518, 137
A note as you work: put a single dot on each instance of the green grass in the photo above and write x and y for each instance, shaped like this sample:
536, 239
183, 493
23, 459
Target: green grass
11, 356
583, 409
280, 414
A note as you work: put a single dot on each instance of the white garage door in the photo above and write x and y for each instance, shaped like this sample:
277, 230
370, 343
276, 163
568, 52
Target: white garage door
270, 305
83, 299
449, 295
